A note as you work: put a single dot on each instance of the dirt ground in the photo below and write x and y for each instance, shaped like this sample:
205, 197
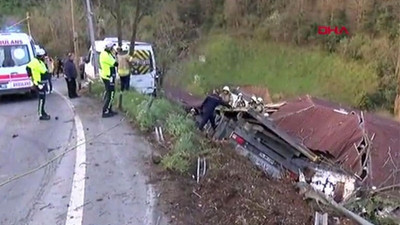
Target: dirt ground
233, 191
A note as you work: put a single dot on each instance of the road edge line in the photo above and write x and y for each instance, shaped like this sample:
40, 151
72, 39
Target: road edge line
76, 203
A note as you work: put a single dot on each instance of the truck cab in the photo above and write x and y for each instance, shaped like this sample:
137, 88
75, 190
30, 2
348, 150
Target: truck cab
16, 51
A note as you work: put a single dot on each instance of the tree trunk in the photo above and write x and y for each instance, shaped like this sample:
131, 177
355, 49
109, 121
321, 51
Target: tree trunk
119, 24
135, 26
397, 100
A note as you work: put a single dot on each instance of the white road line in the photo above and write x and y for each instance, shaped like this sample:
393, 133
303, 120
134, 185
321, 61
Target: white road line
76, 203
149, 219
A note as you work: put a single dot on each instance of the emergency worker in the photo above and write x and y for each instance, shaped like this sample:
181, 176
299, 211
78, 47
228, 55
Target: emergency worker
124, 67
260, 105
108, 66
226, 95
240, 102
37, 70
208, 107
253, 102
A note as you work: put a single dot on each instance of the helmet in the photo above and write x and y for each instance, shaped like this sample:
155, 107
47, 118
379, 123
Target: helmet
253, 98
240, 94
125, 48
40, 52
109, 45
259, 99
226, 88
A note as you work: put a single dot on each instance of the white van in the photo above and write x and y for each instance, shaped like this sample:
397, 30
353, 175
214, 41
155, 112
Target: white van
16, 51
144, 74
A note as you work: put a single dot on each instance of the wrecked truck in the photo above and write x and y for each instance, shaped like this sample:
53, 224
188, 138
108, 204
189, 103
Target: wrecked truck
278, 154
340, 150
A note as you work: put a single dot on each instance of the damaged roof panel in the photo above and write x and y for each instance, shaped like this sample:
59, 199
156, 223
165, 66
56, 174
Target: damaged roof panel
338, 131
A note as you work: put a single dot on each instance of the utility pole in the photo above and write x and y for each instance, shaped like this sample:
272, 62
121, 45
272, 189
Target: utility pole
75, 40
28, 19
92, 38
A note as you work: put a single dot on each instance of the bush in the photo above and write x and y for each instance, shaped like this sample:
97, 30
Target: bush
178, 125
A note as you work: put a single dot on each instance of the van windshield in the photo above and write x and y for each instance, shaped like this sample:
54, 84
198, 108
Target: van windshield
15, 55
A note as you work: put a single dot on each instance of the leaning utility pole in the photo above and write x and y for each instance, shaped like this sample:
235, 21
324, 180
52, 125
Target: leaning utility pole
92, 38
75, 40
28, 19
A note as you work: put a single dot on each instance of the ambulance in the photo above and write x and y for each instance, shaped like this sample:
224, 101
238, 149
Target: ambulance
16, 51
144, 73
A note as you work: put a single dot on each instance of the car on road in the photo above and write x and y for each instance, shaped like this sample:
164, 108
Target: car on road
16, 51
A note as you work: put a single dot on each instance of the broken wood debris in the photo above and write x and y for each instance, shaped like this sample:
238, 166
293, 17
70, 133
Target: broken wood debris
321, 219
159, 135
310, 193
201, 168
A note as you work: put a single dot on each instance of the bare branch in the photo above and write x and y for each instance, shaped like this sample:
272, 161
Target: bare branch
387, 188
113, 14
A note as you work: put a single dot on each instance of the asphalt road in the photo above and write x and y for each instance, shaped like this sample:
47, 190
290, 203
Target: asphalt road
101, 182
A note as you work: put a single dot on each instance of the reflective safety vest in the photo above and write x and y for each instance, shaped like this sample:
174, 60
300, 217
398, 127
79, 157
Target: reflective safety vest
38, 69
123, 65
107, 61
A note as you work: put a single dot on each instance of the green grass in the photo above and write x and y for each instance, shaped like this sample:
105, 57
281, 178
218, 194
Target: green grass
186, 145
284, 70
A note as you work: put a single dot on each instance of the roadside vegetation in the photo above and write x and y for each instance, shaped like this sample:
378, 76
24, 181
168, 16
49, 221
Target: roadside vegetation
287, 71
184, 144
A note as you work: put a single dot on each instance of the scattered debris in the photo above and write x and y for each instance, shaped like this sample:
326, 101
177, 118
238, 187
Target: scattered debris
159, 135
321, 219
201, 168
156, 157
341, 147
14, 135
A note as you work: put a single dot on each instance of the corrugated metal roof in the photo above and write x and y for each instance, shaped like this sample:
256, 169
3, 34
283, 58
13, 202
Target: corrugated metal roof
337, 131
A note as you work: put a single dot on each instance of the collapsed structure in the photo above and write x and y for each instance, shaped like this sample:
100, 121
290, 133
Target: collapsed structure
337, 148
364, 144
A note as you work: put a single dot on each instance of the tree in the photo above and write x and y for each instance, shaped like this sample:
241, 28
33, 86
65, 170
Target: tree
119, 21
142, 8
397, 100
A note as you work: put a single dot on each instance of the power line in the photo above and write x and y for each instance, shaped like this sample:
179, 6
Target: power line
16, 177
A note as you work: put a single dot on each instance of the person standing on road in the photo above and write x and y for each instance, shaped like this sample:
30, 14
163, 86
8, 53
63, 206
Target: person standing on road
37, 70
124, 67
208, 107
50, 69
108, 66
70, 74
59, 67
82, 68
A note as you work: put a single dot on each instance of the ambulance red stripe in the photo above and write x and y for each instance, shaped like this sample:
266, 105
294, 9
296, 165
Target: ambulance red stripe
15, 76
